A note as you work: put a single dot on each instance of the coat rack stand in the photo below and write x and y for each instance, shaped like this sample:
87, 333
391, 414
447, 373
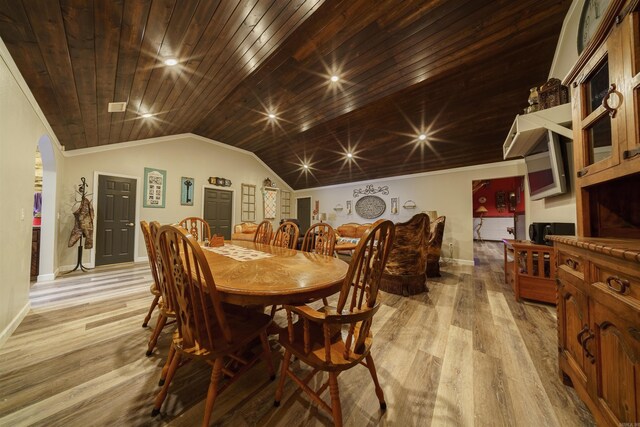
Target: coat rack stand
79, 263
82, 188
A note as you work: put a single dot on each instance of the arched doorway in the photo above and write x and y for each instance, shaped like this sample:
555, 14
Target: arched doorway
48, 256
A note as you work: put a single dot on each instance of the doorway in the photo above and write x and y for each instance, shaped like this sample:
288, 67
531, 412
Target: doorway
116, 220
303, 211
498, 210
218, 211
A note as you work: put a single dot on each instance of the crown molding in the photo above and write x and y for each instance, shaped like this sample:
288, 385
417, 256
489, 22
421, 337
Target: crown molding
515, 162
141, 142
24, 88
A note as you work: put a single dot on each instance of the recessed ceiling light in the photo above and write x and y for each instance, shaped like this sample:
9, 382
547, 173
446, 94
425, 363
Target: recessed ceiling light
422, 137
170, 61
306, 166
272, 116
349, 155
147, 115
335, 78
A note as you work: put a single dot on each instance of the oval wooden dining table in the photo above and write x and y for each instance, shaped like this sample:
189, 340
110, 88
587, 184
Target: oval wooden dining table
287, 277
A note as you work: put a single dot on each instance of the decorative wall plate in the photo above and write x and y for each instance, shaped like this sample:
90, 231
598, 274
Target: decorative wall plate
370, 207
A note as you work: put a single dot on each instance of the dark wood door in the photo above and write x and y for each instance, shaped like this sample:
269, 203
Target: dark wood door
303, 210
217, 211
116, 217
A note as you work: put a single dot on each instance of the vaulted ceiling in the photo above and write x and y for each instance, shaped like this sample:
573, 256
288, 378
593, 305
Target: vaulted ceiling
456, 71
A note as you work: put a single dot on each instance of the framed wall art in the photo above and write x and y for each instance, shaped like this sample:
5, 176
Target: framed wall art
187, 190
155, 187
270, 203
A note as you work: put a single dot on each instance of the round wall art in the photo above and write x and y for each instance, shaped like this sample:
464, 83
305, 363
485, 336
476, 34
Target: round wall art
370, 207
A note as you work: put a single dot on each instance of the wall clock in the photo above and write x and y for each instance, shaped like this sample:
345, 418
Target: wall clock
592, 13
482, 199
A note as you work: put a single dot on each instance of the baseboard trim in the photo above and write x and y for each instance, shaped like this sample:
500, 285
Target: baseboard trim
11, 327
46, 277
461, 261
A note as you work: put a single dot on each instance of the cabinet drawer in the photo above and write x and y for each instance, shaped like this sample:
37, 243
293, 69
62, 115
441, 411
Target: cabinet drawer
571, 263
625, 285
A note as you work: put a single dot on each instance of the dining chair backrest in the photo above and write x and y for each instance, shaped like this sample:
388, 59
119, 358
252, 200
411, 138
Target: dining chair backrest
320, 238
286, 235
197, 227
194, 289
358, 297
168, 298
151, 251
263, 233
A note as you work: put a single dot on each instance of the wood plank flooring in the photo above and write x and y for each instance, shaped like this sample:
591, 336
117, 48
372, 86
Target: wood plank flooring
465, 353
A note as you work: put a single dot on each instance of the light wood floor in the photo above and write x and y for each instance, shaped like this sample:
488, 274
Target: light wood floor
463, 354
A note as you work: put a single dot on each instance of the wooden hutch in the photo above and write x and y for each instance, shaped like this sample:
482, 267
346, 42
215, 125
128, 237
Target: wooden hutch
599, 271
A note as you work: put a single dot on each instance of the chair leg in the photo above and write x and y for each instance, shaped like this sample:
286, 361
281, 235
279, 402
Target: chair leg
154, 303
216, 373
374, 376
336, 409
165, 388
165, 368
162, 320
273, 310
267, 355
285, 366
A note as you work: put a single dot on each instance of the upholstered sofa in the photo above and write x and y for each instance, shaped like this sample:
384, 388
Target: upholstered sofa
244, 231
349, 235
405, 272
435, 247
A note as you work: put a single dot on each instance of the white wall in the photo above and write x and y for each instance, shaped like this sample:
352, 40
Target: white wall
566, 54
449, 192
181, 155
21, 127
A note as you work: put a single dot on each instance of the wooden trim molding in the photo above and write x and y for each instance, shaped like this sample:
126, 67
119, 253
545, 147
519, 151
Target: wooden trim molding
13, 325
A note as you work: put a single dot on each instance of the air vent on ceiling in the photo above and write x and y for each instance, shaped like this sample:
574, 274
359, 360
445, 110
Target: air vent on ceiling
117, 107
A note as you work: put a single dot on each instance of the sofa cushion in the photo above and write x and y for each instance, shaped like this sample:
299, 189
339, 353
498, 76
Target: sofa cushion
347, 230
249, 227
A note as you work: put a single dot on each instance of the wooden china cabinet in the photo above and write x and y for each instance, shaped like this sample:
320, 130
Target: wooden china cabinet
598, 272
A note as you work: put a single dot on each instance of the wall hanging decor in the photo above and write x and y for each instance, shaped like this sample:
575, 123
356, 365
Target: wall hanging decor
370, 207
501, 201
369, 189
394, 205
220, 182
270, 203
154, 187
248, 205
338, 207
409, 204
186, 191
348, 207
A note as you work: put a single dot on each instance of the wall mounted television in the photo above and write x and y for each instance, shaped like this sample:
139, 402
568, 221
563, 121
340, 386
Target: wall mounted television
545, 168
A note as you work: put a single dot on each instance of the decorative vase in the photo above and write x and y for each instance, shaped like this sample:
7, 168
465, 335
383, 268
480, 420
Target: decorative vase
533, 96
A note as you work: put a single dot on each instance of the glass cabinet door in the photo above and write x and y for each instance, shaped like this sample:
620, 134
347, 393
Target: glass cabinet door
632, 31
599, 114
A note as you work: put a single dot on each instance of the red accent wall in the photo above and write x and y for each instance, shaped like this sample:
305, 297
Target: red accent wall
507, 185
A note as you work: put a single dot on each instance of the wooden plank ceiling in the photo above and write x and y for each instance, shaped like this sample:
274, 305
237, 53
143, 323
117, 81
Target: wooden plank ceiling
455, 70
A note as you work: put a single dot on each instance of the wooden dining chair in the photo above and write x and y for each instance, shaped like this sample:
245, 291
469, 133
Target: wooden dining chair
286, 235
197, 227
320, 239
316, 338
166, 304
206, 331
155, 288
263, 233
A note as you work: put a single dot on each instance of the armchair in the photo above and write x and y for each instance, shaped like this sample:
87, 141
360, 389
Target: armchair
405, 270
435, 247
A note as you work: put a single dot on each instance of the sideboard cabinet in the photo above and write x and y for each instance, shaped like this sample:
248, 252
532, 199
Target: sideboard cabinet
598, 272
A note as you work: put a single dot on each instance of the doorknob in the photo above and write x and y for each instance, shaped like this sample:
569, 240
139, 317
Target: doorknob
131, 224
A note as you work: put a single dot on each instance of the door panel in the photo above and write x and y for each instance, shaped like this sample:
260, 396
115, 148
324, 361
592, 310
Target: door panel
572, 321
218, 211
303, 211
116, 217
618, 366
